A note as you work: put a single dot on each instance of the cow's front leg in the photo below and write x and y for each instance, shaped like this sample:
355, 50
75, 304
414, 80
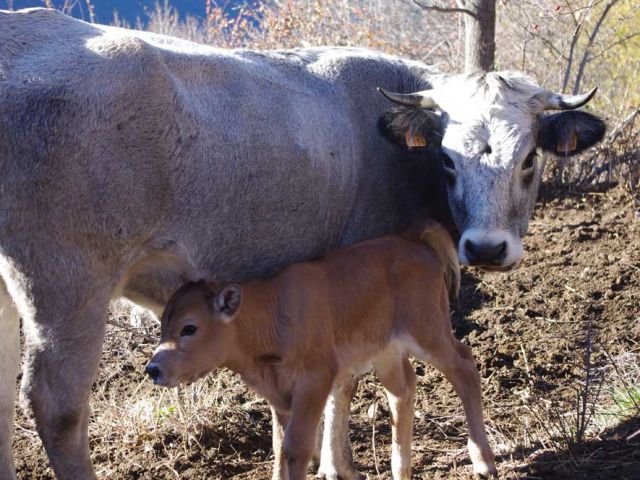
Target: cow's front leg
336, 459
64, 336
9, 363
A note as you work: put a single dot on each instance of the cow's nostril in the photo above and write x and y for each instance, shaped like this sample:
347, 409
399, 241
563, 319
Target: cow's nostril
485, 253
468, 246
152, 371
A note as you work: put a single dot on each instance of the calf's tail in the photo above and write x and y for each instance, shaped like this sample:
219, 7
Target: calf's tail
438, 239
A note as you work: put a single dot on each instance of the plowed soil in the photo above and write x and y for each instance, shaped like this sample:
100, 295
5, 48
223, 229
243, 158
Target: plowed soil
569, 314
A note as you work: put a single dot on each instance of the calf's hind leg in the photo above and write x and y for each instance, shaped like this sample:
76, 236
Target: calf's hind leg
9, 363
399, 380
455, 360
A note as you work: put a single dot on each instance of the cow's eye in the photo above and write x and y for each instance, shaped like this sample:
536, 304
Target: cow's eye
529, 161
447, 162
188, 330
527, 169
449, 170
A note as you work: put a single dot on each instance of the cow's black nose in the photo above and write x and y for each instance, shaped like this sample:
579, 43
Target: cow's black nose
152, 371
485, 253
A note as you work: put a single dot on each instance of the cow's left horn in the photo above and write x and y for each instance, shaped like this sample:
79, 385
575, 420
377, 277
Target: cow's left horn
560, 101
423, 99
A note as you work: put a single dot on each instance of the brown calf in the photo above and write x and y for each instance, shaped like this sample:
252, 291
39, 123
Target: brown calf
291, 336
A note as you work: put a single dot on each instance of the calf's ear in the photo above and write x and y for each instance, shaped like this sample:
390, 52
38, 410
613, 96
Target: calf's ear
568, 133
410, 127
227, 302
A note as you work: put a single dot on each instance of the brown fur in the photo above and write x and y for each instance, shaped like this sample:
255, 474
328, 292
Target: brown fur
377, 302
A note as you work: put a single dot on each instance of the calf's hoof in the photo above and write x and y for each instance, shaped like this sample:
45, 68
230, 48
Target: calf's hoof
490, 472
353, 475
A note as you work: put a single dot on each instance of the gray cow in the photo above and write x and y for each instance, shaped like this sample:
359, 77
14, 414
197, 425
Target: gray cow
130, 162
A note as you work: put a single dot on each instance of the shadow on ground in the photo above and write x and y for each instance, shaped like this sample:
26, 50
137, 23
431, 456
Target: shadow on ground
609, 457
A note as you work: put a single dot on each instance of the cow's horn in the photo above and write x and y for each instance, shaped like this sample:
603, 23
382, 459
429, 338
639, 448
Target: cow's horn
560, 101
423, 99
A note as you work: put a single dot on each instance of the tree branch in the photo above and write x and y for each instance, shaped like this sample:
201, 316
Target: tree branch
574, 41
614, 45
437, 8
587, 50
548, 43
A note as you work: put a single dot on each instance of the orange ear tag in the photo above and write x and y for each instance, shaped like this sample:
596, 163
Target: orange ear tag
568, 146
416, 140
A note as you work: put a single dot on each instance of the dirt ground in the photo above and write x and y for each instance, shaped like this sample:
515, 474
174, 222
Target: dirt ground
577, 290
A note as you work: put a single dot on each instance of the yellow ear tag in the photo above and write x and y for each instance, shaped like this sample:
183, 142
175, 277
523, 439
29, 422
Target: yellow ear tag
568, 146
416, 140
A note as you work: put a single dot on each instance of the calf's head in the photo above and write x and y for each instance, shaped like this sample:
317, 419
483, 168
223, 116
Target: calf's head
197, 333
490, 128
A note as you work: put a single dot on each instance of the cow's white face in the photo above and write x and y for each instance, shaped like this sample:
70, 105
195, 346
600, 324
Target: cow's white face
490, 128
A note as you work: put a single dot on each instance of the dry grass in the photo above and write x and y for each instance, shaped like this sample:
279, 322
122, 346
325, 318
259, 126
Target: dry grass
132, 415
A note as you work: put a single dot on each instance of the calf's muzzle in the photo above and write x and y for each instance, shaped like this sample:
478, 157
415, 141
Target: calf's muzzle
153, 371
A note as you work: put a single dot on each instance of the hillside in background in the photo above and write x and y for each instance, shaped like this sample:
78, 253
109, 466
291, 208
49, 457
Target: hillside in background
128, 10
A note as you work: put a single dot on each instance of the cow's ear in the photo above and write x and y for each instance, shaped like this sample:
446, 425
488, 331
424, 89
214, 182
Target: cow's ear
568, 133
410, 127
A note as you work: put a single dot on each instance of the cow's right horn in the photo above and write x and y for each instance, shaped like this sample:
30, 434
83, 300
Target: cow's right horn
423, 99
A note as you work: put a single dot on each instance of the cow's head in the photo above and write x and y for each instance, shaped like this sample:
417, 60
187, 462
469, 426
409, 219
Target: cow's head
490, 128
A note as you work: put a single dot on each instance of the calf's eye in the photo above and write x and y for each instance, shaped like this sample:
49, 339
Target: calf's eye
188, 330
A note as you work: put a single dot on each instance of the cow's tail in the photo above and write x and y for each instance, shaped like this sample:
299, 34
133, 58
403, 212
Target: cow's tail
439, 240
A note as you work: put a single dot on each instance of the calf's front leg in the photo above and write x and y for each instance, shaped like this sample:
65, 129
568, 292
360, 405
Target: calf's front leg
308, 400
336, 459
279, 421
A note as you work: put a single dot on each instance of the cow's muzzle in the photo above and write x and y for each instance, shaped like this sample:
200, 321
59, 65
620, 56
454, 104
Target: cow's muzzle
494, 250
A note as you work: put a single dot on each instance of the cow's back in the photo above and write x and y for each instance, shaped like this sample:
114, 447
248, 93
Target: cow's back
238, 162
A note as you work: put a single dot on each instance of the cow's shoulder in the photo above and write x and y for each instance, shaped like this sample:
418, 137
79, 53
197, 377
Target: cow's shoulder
38, 30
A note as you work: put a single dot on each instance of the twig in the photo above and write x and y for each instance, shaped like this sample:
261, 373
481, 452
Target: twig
611, 138
634, 434
614, 44
439, 9
373, 436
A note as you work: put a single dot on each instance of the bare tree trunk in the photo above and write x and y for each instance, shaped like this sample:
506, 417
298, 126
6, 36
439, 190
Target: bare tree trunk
480, 35
479, 28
